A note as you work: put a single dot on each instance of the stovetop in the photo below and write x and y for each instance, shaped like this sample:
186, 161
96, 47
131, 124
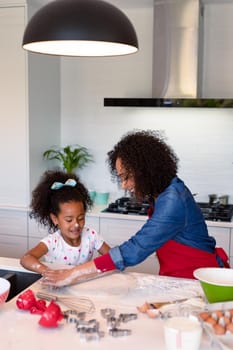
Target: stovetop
127, 205
216, 212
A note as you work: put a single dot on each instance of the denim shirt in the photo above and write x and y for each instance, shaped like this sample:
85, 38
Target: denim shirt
176, 216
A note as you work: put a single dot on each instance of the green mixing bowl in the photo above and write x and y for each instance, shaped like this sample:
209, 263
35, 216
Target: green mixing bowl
216, 282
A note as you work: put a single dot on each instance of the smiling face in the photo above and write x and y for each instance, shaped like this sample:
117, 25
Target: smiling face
126, 179
70, 220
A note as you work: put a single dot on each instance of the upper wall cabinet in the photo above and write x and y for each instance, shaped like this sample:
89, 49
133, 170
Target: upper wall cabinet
29, 108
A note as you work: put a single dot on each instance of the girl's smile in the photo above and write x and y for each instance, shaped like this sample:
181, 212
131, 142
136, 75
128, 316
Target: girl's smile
70, 221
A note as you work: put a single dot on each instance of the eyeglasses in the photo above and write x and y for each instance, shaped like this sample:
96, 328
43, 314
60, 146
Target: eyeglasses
124, 177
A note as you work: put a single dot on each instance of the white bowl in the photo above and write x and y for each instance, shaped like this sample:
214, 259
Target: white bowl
4, 290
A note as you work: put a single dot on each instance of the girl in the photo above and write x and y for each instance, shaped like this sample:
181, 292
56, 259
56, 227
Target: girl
59, 202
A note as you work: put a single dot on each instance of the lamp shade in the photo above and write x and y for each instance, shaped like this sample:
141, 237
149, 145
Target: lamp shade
80, 28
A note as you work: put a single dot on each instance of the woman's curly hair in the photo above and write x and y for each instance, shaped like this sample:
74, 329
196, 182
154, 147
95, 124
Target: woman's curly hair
145, 155
46, 201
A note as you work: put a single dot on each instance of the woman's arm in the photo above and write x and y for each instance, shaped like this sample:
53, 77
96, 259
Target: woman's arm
104, 249
30, 260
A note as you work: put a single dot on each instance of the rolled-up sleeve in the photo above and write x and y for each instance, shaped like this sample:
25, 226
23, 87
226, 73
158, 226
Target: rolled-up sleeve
117, 258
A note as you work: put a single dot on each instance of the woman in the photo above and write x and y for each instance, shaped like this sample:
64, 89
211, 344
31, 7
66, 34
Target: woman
147, 167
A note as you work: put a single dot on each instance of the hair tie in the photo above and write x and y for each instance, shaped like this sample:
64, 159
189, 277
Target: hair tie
58, 185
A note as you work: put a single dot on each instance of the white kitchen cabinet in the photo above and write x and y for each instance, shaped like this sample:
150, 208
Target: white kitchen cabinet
35, 230
35, 233
116, 231
13, 241
13, 246
93, 222
223, 238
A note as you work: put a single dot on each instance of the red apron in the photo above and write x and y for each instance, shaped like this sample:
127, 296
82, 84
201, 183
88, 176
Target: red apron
179, 260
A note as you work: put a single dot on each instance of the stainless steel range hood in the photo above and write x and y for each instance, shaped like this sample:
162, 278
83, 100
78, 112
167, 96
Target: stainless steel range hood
175, 51
177, 58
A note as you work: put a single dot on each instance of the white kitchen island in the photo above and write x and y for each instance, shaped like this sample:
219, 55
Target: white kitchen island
123, 292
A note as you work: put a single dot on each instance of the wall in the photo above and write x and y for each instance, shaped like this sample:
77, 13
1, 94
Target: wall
30, 107
13, 109
202, 138
44, 111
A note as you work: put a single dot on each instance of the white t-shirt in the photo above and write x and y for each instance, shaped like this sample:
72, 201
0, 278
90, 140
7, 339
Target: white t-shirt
61, 252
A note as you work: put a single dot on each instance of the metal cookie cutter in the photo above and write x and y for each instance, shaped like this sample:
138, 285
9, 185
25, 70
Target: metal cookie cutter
127, 317
70, 312
107, 313
87, 326
71, 319
81, 315
89, 330
72, 316
117, 332
113, 322
91, 335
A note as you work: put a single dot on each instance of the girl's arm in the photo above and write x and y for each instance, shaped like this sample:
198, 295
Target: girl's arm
79, 273
104, 249
30, 260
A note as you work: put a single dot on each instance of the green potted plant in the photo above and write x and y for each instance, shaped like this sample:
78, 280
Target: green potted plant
71, 157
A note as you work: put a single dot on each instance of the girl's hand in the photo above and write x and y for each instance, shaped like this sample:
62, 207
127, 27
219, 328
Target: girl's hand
58, 278
66, 277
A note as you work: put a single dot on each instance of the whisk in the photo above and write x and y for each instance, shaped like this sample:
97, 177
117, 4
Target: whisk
79, 303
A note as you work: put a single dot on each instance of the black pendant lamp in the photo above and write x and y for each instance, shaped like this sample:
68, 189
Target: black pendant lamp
80, 28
